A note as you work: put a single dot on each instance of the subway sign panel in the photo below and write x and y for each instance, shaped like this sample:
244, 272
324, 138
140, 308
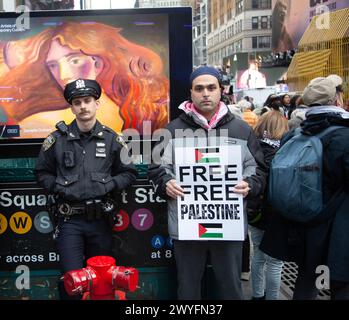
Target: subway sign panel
26, 232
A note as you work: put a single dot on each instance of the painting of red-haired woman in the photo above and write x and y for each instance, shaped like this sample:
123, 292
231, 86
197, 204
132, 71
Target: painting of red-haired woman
34, 71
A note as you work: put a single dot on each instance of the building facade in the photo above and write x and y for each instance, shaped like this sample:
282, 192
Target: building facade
164, 3
238, 26
12, 5
200, 22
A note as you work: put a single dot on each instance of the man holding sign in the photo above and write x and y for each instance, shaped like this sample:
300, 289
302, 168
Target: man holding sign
210, 164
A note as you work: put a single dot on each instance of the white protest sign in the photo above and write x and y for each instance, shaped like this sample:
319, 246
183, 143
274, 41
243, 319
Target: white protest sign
210, 210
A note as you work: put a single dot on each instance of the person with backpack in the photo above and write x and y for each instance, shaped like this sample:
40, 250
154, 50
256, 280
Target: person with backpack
270, 128
312, 221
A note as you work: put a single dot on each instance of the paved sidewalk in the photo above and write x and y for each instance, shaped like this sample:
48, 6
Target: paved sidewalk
288, 280
246, 287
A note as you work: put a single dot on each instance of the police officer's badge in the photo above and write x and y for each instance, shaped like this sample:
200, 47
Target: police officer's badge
48, 143
80, 84
122, 142
100, 150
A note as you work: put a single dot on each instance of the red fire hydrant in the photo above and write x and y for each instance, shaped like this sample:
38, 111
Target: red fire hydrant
101, 279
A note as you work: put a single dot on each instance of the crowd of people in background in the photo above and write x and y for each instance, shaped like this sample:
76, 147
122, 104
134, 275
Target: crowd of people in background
291, 106
279, 115
318, 114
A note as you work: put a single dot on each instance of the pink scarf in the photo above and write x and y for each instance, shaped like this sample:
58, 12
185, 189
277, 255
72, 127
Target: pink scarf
190, 109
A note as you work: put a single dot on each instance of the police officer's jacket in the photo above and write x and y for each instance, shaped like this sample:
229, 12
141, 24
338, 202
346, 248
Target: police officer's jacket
78, 170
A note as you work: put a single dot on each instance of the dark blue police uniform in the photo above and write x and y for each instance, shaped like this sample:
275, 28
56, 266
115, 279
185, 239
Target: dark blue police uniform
83, 170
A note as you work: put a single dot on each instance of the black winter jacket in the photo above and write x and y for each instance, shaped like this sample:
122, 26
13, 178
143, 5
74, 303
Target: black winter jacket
259, 210
253, 166
77, 170
326, 242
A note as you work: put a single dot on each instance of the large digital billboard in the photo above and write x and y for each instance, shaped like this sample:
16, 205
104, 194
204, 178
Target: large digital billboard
127, 51
290, 19
254, 71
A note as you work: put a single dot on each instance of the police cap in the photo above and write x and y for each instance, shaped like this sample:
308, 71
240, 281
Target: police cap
82, 88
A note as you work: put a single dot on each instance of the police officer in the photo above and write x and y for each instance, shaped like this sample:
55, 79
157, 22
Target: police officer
82, 164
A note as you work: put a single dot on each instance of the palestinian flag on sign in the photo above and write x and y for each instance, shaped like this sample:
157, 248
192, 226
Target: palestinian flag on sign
210, 230
207, 155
